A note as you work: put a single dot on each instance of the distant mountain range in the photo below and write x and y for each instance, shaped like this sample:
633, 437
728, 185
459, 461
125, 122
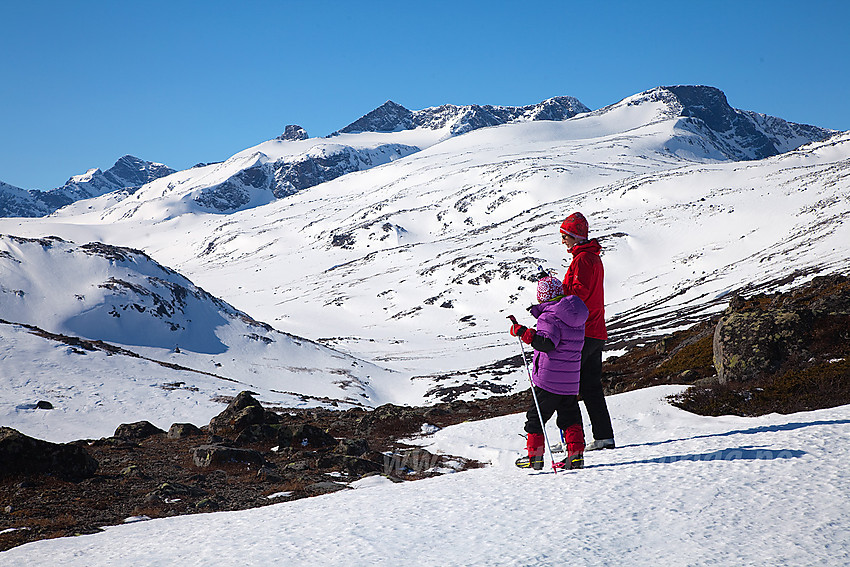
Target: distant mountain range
128, 174
293, 161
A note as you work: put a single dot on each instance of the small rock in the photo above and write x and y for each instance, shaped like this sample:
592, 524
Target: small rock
206, 503
352, 447
268, 475
137, 430
133, 471
181, 430
324, 487
43, 404
208, 455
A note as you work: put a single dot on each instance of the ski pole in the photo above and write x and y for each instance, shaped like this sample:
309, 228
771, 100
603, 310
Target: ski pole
534, 395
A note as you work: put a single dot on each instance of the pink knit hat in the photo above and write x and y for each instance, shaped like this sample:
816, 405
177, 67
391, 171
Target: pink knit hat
548, 288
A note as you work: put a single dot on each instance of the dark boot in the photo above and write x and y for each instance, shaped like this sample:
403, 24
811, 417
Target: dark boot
535, 446
574, 441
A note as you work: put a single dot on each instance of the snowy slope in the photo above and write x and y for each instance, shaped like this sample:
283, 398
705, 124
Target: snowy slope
416, 264
681, 490
163, 330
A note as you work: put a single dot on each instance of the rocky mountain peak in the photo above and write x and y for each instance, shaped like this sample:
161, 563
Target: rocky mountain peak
130, 171
293, 132
709, 104
389, 117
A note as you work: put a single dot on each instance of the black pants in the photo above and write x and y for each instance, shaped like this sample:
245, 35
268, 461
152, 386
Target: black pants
591, 389
566, 406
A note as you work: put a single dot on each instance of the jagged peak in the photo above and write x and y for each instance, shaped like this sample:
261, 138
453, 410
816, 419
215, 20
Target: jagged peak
388, 117
391, 116
293, 132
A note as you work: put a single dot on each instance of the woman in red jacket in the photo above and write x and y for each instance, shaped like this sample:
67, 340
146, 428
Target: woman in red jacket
585, 279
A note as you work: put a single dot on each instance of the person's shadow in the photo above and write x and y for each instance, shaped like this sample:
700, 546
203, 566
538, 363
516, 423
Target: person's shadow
731, 454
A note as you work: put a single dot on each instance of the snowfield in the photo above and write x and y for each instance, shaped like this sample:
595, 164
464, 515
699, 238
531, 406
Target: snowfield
680, 490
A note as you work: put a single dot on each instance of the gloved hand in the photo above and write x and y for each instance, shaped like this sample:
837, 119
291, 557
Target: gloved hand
517, 330
528, 336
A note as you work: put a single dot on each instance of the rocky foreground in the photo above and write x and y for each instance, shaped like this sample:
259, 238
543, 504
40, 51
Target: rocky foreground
247, 456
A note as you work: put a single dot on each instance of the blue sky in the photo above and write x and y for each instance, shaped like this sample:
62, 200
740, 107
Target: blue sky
182, 82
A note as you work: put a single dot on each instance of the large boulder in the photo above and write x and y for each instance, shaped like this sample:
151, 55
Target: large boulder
771, 335
242, 413
751, 344
23, 455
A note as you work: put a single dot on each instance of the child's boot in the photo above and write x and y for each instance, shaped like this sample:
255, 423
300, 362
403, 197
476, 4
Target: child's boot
574, 441
535, 445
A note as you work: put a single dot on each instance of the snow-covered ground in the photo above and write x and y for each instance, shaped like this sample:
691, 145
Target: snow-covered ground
680, 490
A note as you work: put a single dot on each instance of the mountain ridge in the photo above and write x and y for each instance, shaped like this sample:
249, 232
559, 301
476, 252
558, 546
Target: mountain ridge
294, 162
393, 117
127, 174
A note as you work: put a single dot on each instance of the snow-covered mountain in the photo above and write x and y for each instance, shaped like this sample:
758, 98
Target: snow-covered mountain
712, 129
292, 162
416, 264
84, 302
128, 174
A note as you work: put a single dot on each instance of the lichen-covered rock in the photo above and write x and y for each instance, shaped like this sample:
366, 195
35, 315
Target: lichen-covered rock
748, 345
181, 430
772, 335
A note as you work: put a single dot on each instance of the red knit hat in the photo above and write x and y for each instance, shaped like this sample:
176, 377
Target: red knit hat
576, 226
548, 288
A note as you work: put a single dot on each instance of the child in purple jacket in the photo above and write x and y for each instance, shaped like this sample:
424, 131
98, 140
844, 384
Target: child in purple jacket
557, 344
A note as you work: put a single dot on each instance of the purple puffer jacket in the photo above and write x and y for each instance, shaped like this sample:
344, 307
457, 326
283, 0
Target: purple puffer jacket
562, 322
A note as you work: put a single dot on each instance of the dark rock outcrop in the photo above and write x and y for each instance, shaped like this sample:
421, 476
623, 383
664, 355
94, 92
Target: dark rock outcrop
23, 455
217, 455
242, 413
293, 132
137, 430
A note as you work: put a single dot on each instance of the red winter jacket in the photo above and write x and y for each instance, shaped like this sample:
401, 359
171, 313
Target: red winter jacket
584, 278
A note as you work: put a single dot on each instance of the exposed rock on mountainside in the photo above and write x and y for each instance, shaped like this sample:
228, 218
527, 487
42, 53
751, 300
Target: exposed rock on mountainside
392, 117
327, 163
293, 132
129, 173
